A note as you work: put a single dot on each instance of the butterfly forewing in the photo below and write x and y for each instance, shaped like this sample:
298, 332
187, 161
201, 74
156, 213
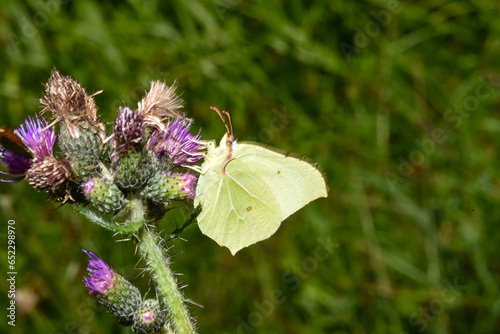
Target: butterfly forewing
11, 141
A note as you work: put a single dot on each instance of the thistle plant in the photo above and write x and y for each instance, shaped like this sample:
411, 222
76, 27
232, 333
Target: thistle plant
126, 179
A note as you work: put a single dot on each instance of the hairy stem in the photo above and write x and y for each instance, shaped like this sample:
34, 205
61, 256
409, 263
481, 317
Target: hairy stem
166, 281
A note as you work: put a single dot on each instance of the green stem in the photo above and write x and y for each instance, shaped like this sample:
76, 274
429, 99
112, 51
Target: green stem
154, 256
192, 218
166, 281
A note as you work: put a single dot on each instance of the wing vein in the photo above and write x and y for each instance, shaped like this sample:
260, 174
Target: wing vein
244, 188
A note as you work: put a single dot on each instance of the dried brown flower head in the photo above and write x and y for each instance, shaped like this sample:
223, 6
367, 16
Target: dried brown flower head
52, 175
69, 101
160, 102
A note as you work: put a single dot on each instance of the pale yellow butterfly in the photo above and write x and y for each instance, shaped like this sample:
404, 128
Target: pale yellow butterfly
247, 189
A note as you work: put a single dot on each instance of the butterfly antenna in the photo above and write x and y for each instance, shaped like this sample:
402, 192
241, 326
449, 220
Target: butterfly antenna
229, 127
230, 135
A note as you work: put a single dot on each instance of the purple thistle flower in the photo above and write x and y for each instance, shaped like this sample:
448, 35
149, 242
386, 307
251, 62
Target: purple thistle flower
176, 144
37, 138
101, 276
149, 318
128, 130
87, 186
27, 145
187, 185
17, 164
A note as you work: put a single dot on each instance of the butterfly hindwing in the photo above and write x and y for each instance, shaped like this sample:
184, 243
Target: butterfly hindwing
235, 207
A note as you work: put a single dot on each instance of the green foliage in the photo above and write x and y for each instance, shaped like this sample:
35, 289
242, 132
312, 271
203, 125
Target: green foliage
405, 132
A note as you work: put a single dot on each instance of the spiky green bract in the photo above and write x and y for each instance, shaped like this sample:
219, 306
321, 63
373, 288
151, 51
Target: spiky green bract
149, 318
118, 295
171, 186
122, 300
103, 194
84, 151
132, 171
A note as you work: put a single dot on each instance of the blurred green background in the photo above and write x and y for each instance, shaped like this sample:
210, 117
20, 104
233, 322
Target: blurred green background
396, 101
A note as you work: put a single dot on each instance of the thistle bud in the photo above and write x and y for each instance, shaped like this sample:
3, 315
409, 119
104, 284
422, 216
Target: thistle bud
149, 318
103, 194
133, 171
171, 186
52, 175
119, 296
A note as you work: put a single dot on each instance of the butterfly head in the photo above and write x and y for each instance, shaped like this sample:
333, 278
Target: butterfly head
225, 141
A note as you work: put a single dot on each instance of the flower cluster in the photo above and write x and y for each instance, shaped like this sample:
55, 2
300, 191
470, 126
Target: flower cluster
28, 153
146, 152
141, 163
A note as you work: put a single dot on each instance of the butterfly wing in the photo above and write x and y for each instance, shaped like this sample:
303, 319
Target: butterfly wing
11, 141
293, 182
258, 190
238, 208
